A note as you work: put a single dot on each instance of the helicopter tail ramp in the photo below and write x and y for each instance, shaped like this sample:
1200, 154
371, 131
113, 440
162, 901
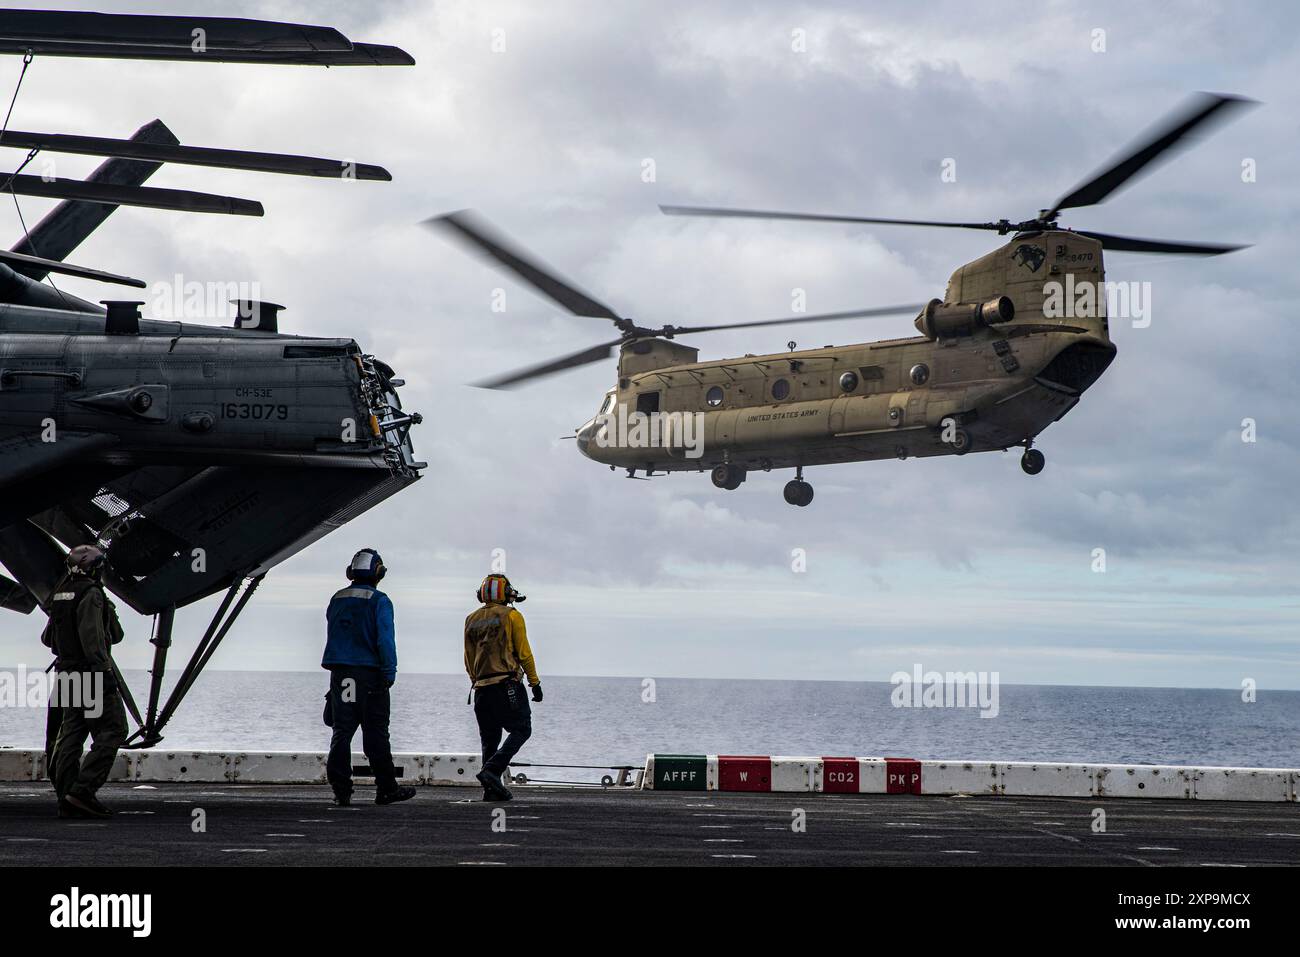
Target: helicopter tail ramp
244, 521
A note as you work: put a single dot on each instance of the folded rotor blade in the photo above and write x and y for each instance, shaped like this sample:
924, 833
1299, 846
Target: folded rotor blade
50, 28
67, 269
475, 232
149, 196
361, 54
585, 357
194, 155
196, 39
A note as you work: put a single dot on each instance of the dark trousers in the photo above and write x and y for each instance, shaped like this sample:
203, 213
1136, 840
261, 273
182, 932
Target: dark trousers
502, 707
53, 722
107, 731
359, 697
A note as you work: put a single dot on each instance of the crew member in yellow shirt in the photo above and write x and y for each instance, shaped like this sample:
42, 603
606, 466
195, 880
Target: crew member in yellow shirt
497, 658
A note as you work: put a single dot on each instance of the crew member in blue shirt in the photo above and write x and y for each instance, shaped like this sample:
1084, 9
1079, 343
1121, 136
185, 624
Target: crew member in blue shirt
361, 655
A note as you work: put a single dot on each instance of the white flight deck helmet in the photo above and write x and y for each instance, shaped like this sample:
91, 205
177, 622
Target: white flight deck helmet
367, 565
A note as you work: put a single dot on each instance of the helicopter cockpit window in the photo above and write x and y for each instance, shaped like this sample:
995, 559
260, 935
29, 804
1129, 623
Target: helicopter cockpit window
780, 389
647, 403
714, 396
607, 404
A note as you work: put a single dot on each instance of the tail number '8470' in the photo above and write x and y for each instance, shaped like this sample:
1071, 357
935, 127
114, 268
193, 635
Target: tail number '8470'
254, 410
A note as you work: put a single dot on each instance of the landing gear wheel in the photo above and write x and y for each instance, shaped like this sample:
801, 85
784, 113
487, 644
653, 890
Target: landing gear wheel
1032, 461
728, 477
798, 492
961, 442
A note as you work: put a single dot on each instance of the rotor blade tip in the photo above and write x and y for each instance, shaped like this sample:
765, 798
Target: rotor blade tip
439, 220
1233, 98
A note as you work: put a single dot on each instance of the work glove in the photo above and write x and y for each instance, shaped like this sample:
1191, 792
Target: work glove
537, 692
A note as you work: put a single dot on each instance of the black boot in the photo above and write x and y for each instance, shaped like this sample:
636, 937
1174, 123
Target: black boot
494, 786
399, 793
69, 811
87, 805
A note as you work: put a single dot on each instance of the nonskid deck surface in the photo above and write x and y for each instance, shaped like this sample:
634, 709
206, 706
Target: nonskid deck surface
297, 825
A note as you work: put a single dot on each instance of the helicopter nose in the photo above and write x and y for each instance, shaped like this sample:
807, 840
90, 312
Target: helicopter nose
585, 436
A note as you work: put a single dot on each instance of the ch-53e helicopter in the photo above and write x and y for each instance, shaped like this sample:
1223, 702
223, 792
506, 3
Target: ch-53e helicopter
991, 369
197, 456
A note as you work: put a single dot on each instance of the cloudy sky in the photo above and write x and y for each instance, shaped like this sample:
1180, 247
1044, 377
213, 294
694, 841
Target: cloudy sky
955, 564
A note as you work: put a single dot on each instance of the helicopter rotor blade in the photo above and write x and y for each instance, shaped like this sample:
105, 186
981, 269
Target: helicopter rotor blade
194, 155
1203, 108
149, 37
585, 357
1113, 243
728, 213
68, 269
472, 230
673, 331
220, 33
111, 194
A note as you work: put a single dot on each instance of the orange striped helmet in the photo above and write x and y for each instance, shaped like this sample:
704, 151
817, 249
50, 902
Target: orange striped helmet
496, 588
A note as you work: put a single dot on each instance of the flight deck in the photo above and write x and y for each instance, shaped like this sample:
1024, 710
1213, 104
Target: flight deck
276, 825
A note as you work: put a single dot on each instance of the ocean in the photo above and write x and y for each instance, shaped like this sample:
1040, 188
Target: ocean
610, 722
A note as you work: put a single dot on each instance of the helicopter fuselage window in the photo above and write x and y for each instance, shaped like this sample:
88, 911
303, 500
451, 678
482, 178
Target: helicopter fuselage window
647, 403
780, 389
714, 396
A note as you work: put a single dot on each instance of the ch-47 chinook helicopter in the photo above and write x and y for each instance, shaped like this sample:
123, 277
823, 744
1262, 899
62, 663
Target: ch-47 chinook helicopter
989, 371
197, 456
